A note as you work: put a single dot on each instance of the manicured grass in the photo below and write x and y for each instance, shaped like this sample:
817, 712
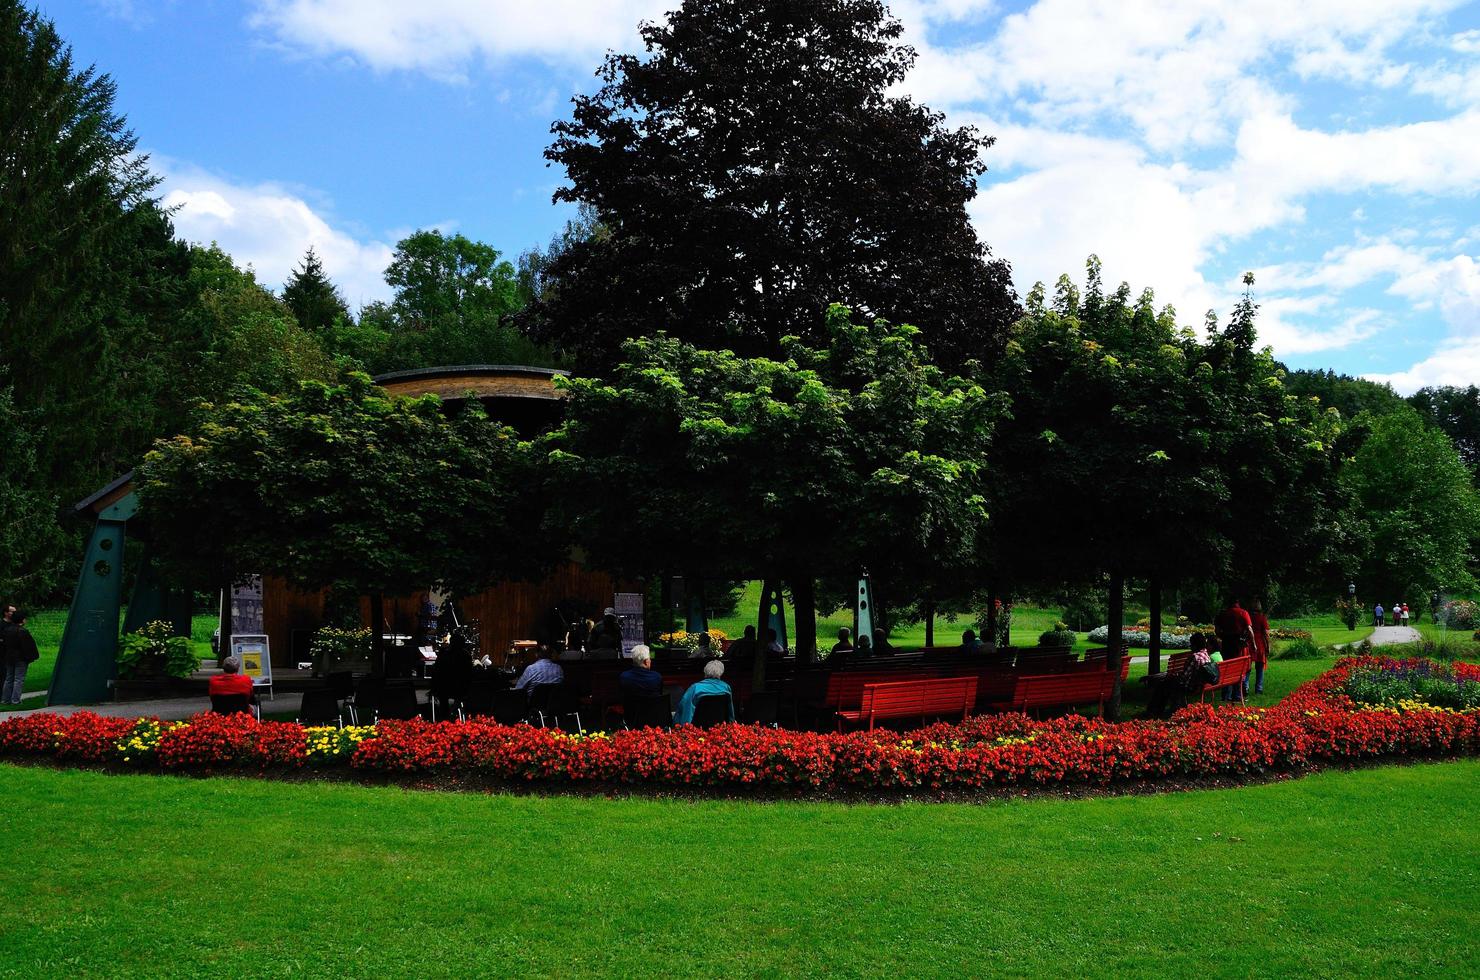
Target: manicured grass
1359, 873
47, 625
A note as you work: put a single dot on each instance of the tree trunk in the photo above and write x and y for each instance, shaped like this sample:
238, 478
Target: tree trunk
377, 621
1006, 623
762, 623
1114, 641
929, 623
1153, 597
804, 603
991, 636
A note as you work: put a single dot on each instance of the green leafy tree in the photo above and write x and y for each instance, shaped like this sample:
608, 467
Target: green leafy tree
249, 336
315, 301
32, 546
342, 486
1414, 497
704, 461
1146, 453
1456, 413
452, 294
755, 165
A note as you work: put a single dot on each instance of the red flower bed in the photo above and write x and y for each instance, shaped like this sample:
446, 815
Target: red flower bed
1316, 724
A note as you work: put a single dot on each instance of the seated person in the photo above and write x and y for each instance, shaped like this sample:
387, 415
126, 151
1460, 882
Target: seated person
882, 646
970, 645
773, 645
543, 671
711, 684
1169, 690
230, 680
705, 650
743, 648
640, 678
865, 646
843, 649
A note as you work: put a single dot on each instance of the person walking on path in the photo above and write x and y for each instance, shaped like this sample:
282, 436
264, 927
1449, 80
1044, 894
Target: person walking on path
1235, 634
1260, 650
1405, 614
20, 653
1377, 615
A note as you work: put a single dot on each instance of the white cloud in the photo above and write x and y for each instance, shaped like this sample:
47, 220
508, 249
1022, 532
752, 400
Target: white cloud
1456, 362
270, 228
442, 37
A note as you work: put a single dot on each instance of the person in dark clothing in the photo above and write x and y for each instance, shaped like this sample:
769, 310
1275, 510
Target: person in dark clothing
605, 641
743, 648
1169, 690
19, 653
843, 649
970, 645
640, 678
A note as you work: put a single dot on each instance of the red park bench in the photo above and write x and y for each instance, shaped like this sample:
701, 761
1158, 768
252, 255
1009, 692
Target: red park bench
1034, 692
1231, 672
935, 697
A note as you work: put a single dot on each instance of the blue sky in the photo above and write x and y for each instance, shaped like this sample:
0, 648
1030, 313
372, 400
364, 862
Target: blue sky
1331, 147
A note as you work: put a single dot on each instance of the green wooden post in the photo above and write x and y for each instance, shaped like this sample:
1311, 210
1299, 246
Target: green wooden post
696, 619
153, 599
88, 657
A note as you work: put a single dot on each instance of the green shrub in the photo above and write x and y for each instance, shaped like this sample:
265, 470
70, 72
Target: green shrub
1057, 638
154, 652
1302, 648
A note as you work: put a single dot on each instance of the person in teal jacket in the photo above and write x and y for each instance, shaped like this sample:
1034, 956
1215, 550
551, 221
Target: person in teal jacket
711, 684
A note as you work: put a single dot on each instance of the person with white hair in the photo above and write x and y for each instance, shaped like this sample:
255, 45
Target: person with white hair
711, 685
640, 678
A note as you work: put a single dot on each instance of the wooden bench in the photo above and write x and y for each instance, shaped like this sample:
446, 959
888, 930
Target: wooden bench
1034, 692
936, 697
1230, 672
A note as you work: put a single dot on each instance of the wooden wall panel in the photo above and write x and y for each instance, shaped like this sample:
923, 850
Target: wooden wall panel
506, 612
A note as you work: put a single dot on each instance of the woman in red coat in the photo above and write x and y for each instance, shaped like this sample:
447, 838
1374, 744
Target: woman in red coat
1260, 652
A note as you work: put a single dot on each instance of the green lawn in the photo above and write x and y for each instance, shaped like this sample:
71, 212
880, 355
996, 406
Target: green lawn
1344, 873
46, 626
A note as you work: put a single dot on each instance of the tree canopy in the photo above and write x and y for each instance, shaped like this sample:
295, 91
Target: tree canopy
1417, 506
756, 165
314, 300
341, 485
858, 453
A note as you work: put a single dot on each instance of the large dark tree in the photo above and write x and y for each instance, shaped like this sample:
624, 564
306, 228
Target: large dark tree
752, 168
1456, 411
314, 300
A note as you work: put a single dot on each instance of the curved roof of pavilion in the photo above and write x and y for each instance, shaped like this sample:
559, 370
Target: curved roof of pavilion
482, 381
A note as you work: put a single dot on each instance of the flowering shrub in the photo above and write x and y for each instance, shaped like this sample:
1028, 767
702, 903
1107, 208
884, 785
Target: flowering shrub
1290, 633
333, 649
690, 641
1460, 614
154, 651
1345, 714
1136, 636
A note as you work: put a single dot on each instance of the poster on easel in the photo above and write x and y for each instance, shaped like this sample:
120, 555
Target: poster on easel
628, 607
254, 653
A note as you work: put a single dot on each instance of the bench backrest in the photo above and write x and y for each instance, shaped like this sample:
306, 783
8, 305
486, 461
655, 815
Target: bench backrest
1050, 690
907, 699
845, 687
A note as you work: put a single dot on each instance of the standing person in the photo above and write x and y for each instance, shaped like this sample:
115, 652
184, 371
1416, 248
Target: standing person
1260, 624
605, 641
1235, 634
1377, 615
19, 653
1405, 614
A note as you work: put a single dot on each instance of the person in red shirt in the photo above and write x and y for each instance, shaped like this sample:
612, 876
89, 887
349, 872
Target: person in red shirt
230, 680
1260, 649
1235, 631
